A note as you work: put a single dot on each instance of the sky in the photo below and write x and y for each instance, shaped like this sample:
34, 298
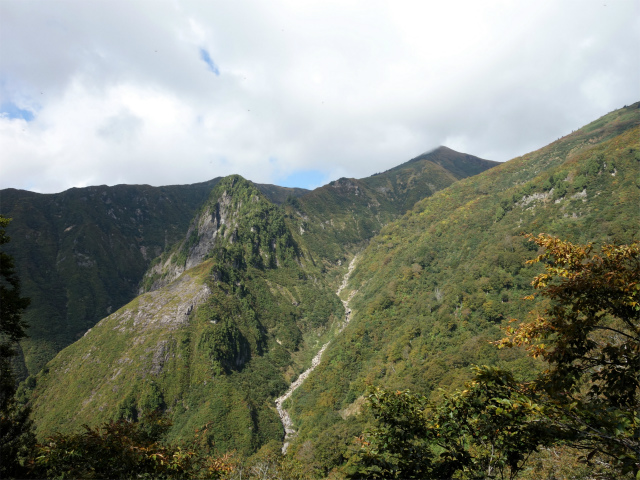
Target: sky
296, 93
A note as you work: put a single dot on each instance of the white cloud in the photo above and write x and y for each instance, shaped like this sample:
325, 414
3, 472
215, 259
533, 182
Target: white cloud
121, 92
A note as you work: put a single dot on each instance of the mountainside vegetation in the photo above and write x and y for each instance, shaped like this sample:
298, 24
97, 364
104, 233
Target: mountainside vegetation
242, 295
214, 342
588, 397
231, 314
82, 253
435, 287
15, 426
336, 218
246, 266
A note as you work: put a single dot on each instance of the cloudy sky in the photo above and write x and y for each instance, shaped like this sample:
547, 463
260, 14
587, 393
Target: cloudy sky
296, 93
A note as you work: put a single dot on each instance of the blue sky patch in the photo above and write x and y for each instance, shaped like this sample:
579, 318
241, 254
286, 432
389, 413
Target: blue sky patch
304, 179
206, 58
11, 110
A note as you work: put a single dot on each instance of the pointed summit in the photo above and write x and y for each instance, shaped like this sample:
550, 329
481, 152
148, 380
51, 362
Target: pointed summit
460, 164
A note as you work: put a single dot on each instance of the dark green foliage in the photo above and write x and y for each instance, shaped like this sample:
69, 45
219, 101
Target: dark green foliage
398, 447
280, 195
560, 190
293, 202
127, 409
151, 399
226, 347
122, 450
12, 304
579, 183
487, 430
16, 437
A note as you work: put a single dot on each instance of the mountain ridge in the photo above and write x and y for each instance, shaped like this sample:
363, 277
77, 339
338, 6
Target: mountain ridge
83, 252
453, 161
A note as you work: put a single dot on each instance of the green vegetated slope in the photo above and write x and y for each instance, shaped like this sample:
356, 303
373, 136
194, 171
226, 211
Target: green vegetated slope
426, 174
336, 218
232, 313
81, 253
259, 293
434, 287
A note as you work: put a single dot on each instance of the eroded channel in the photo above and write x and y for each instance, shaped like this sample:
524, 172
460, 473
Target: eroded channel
284, 415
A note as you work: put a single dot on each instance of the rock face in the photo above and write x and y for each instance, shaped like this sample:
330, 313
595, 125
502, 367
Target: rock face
208, 228
287, 423
216, 220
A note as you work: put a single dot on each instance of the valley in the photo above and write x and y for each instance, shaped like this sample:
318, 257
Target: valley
287, 424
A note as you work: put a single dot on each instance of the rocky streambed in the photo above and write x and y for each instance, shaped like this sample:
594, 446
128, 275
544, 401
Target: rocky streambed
284, 415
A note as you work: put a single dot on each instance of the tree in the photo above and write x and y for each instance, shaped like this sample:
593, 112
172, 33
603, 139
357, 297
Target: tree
487, 430
12, 304
590, 337
124, 449
15, 427
398, 445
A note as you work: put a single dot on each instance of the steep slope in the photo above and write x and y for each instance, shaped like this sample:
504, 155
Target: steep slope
82, 253
230, 315
426, 174
433, 288
460, 164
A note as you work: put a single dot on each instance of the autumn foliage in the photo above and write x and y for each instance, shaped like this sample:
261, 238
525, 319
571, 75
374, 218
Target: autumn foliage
590, 337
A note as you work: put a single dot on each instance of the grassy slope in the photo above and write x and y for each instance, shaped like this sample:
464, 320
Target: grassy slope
437, 285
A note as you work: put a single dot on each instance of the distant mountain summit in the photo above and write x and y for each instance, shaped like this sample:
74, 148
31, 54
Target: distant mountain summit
425, 174
460, 164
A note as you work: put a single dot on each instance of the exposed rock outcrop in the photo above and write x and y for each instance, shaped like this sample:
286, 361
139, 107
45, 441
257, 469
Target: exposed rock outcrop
199, 241
170, 307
